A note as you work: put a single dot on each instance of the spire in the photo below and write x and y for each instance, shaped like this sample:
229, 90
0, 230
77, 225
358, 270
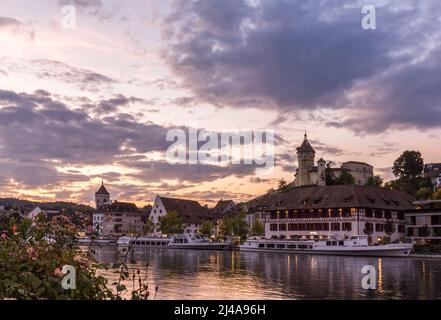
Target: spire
306, 147
102, 189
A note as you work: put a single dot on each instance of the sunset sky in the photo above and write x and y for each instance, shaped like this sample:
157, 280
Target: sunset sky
78, 105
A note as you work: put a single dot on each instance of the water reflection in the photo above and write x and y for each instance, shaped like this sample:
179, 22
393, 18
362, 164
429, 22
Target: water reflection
188, 274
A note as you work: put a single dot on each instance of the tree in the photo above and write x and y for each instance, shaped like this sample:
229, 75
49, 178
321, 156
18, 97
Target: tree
235, 226
424, 193
329, 175
375, 181
436, 195
206, 228
171, 223
409, 164
149, 226
282, 183
257, 228
345, 178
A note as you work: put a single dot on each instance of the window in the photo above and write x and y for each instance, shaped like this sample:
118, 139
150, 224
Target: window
400, 216
273, 227
379, 227
273, 215
282, 227
347, 226
335, 226
369, 213
292, 227
378, 214
388, 214
401, 228
326, 226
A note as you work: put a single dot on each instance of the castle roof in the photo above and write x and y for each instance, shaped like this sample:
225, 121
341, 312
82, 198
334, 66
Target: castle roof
189, 210
119, 207
102, 190
336, 196
305, 147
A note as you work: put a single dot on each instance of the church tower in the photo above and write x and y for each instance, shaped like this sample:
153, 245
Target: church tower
102, 196
305, 157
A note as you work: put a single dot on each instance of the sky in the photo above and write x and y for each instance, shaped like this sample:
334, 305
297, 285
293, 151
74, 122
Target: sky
96, 99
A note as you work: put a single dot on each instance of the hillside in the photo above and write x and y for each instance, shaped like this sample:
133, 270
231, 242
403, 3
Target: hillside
27, 205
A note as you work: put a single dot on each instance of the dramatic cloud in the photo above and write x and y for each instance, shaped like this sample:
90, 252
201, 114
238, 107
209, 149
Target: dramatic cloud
82, 78
40, 133
297, 55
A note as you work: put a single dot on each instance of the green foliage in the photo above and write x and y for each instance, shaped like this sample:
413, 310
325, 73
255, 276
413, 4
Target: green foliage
282, 184
234, 226
436, 195
410, 185
424, 193
206, 228
409, 164
32, 256
171, 223
149, 226
345, 178
329, 175
375, 181
257, 228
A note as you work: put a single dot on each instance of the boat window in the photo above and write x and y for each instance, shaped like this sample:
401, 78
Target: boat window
328, 243
270, 245
261, 245
280, 246
143, 243
334, 243
185, 241
292, 246
310, 247
341, 243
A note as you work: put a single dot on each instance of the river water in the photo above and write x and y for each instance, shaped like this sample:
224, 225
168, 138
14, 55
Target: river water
224, 275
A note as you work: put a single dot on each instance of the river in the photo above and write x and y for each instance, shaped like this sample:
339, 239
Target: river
225, 275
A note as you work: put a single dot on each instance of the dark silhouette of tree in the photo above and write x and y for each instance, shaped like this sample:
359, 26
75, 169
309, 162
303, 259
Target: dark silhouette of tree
409, 164
345, 178
375, 181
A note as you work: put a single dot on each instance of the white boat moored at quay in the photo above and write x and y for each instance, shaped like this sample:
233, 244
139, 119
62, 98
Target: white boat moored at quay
180, 241
353, 246
198, 242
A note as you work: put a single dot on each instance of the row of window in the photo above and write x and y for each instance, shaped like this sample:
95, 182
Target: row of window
310, 226
379, 227
333, 213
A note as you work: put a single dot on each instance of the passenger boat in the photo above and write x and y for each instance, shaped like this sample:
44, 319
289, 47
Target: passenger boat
198, 242
141, 242
181, 241
353, 246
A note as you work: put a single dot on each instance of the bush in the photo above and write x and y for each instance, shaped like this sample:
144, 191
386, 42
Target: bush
32, 256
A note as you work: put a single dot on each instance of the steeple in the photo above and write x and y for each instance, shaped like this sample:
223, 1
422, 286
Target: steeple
305, 157
102, 196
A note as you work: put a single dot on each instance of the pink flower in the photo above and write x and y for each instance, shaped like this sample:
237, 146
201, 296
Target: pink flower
82, 261
32, 253
58, 272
